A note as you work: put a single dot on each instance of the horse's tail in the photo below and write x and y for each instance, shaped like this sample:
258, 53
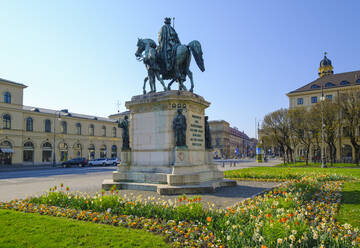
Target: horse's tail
195, 48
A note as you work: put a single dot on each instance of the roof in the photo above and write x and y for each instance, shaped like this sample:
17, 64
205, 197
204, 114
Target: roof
332, 81
11, 82
67, 114
236, 132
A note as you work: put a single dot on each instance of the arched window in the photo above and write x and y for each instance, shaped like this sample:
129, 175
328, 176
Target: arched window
28, 152
114, 131
91, 130
113, 151
78, 128
6, 152
63, 147
344, 82
47, 126
329, 84
103, 151
29, 124
6, 121
103, 131
315, 86
77, 150
7, 97
63, 127
358, 81
46, 152
91, 151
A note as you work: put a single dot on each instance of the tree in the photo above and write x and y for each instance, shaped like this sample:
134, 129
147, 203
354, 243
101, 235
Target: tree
349, 104
276, 128
303, 128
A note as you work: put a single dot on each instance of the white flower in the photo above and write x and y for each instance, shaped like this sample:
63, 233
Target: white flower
279, 241
228, 237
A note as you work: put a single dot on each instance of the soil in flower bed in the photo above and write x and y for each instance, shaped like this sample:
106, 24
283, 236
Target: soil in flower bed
33, 230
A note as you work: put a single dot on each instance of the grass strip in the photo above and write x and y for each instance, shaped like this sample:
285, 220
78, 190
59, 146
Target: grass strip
350, 205
34, 230
287, 173
318, 165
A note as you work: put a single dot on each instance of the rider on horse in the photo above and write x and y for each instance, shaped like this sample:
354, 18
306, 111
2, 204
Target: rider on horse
168, 42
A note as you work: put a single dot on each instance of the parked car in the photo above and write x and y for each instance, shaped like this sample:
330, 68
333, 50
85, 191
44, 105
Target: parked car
114, 161
99, 161
75, 161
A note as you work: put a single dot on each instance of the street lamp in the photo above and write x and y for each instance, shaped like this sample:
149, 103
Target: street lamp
57, 113
323, 159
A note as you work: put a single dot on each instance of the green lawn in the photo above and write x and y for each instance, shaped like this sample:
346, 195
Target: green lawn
318, 165
34, 230
350, 206
285, 173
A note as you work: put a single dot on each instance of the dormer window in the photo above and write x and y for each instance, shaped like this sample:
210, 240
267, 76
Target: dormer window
315, 86
7, 97
344, 82
329, 84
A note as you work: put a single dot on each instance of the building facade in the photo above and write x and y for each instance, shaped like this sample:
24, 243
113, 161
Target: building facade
39, 135
229, 142
331, 85
220, 138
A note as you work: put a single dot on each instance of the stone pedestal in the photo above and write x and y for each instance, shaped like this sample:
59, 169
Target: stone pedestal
125, 158
155, 162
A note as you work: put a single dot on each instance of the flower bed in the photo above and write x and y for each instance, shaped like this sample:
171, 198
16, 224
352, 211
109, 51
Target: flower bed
299, 213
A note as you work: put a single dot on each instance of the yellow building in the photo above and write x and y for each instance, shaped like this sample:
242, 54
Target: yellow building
39, 135
331, 84
220, 138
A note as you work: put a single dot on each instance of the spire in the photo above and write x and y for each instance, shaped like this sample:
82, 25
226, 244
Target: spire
325, 66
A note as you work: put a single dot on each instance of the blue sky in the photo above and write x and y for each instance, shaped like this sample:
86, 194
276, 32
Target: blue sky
79, 55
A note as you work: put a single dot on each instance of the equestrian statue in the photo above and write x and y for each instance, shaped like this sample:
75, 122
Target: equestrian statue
170, 60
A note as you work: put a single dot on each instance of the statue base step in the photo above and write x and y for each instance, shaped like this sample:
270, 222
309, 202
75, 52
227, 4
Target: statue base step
205, 187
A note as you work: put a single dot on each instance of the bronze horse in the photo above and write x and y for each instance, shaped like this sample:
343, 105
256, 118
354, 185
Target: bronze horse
155, 66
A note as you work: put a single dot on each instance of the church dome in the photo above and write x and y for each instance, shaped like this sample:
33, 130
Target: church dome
325, 62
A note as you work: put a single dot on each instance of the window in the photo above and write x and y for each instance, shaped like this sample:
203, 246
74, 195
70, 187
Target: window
217, 141
114, 131
113, 151
103, 151
28, 155
46, 152
329, 97
314, 99
91, 130
344, 82
329, 84
7, 97
63, 127
358, 81
6, 121
103, 131
91, 151
300, 101
315, 86
47, 126
78, 128
29, 124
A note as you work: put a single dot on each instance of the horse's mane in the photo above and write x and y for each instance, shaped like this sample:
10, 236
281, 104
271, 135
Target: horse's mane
150, 42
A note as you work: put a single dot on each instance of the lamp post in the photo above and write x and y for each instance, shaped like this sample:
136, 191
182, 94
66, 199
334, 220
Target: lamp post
323, 159
57, 113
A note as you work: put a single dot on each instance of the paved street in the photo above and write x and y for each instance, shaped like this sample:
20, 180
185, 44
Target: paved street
19, 184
